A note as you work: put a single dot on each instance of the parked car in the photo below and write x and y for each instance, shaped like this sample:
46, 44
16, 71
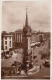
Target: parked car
6, 57
34, 57
46, 63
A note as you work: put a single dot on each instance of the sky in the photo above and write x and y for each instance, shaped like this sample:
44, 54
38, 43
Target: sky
14, 15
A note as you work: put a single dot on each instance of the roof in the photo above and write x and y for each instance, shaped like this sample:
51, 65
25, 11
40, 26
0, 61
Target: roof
19, 30
7, 35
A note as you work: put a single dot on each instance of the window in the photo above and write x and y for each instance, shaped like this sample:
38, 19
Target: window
5, 42
10, 42
5, 37
5, 47
10, 45
9, 37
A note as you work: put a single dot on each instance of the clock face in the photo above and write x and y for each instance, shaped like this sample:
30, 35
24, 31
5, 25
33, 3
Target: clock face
26, 29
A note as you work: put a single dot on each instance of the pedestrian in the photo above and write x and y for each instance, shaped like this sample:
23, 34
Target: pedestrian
9, 72
3, 71
19, 69
40, 66
26, 71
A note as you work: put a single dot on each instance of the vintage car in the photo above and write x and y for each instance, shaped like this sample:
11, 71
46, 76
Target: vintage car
46, 63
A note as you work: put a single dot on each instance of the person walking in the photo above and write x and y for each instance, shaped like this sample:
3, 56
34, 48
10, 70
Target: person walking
40, 66
19, 69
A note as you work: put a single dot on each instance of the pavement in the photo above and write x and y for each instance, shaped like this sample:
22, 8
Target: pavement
33, 70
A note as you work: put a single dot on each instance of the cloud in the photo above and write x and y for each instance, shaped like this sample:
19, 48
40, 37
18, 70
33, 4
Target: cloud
14, 13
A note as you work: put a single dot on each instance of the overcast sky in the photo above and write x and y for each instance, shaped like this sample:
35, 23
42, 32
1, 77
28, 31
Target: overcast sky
14, 15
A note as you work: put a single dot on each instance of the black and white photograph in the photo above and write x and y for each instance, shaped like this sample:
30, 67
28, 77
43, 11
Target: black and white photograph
26, 40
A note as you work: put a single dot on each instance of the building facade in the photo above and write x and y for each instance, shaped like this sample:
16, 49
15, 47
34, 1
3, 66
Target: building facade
7, 42
18, 36
34, 37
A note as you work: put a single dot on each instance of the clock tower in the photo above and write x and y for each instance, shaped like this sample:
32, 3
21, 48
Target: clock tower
26, 41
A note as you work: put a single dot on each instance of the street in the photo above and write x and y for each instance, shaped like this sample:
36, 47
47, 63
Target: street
44, 72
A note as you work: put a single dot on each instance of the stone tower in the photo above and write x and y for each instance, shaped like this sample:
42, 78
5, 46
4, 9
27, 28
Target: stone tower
26, 40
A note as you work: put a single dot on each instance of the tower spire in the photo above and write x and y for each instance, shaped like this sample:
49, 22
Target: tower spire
26, 28
26, 22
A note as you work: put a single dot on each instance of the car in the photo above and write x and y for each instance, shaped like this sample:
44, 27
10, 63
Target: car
34, 57
46, 63
13, 65
5, 57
